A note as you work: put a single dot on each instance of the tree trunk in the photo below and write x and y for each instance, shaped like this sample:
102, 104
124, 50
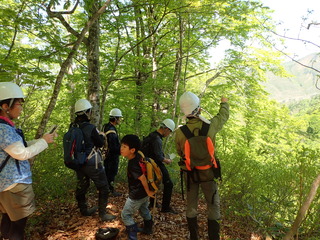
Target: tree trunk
142, 53
303, 210
65, 65
93, 54
178, 67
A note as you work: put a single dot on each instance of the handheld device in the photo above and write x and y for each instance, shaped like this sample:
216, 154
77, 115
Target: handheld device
53, 128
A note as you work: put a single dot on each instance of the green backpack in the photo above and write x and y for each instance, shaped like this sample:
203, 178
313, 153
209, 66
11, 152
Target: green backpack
199, 160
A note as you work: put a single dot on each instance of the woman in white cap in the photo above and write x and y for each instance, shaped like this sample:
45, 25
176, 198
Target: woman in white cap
16, 193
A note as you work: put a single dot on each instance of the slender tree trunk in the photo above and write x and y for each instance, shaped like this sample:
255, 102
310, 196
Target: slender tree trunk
303, 209
155, 105
142, 54
93, 54
178, 67
65, 65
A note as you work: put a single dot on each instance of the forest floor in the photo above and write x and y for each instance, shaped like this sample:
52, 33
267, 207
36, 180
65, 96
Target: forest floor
64, 222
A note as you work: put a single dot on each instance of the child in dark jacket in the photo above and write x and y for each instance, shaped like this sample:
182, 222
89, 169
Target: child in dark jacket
139, 191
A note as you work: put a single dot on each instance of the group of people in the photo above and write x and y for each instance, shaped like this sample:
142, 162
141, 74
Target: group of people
17, 197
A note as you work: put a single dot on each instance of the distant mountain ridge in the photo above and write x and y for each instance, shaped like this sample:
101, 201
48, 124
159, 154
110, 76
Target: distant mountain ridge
299, 86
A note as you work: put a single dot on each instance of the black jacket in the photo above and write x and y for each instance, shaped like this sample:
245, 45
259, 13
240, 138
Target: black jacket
113, 141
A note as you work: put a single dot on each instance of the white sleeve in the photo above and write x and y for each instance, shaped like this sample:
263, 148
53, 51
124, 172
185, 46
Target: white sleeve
31, 142
18, 151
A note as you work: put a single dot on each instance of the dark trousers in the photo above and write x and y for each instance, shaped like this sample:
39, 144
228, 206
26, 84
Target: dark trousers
167, 187
111, 165
98, 176
12, 229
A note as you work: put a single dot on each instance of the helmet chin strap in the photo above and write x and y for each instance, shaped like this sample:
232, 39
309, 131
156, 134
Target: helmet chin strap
207, 112
88, 114
11, 102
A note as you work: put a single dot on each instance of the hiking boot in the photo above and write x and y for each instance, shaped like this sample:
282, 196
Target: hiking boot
147, 228
193, 228
115, 194
132, 231
213, 230
88, 212
169, 210
107, 217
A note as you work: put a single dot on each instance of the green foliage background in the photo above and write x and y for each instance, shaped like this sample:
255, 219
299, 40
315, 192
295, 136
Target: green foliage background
269, 151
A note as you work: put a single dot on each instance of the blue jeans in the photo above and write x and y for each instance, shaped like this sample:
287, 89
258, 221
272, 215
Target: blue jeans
131, 207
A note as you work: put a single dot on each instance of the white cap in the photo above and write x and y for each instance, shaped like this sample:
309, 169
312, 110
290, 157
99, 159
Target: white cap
190, 106
115, 112
82, 105
169, 124
189, 103
9, 90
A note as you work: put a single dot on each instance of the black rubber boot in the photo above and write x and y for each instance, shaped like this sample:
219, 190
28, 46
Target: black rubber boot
82, 205
113, 192
88, 211
193, 228
213, 230
147, 227
132, 232
5, 226
103, 202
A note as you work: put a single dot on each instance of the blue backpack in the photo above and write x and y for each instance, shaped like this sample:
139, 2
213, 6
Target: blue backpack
74, 147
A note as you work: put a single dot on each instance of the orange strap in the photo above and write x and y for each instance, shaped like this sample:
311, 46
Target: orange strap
211, 151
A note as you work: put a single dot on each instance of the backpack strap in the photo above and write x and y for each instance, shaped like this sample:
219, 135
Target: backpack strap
19, 132
4, 163
186, 131
204, 129
110, 131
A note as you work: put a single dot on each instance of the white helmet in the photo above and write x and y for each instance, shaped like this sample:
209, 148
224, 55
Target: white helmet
115, 112
9, 90
189, 103
82, 105
169, 124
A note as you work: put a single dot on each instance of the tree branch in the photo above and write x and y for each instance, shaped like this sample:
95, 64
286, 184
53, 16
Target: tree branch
65, 65
310, 24
15, 32
59, 15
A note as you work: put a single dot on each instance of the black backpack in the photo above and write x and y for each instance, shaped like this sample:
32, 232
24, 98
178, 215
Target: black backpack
107, 233
146, 145
74, 147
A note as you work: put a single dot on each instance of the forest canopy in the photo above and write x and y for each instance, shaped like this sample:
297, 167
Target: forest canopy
140, 56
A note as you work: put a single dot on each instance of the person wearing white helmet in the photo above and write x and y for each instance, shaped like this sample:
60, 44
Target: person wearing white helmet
152, 148
111, 159
93, 169
190, 106
16, 193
